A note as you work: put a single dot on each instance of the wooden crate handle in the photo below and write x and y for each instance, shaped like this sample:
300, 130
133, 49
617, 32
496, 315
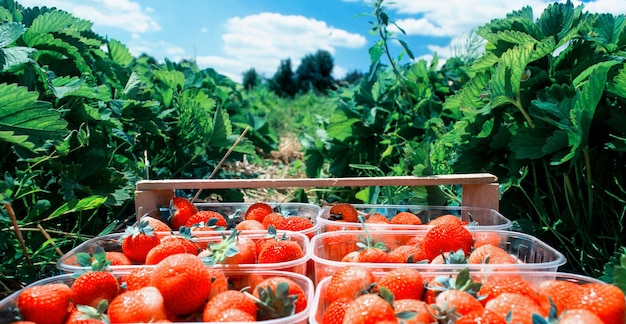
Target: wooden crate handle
478, 189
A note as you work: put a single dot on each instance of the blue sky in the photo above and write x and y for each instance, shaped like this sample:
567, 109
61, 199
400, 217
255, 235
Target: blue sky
233, 36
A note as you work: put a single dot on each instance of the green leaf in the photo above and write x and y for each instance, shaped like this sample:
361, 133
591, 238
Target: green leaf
608, 29
119, 53
506, 81
604, 66
9, 32
91, 202
407, 49
375, 54
618, 84
23, 115
56, 21
557, 20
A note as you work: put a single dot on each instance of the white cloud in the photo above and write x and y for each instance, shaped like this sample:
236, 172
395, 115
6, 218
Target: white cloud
204, 30
263, 40
174, 50
124, 14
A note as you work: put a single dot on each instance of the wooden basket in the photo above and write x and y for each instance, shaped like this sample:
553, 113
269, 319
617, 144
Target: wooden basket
478, 189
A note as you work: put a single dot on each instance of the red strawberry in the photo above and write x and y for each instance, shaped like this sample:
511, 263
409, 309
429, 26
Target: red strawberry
349, 282
377, 218
88, 315
272, 219
44, 304
580, 316
182, 243
295, 223
258, 211
606, 301
403, 283
138, 241
279, 249
234, 249
184, 282
490, 254
445, 219
445, 238
461, 300
227, 315
118, 258
343, 211
181, 209
407, 254
226, 300
334, 313
138, 278
250, 225
421, 311
481, 316
497, 285
484, 238
207, 220
405, 218
96, 285
559, 291
157, 225
517, 308
144, 305
369, 309
283, 295
219, 281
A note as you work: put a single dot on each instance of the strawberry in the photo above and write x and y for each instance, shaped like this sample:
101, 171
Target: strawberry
490, 254
44, 304
234, 249
226, 300
250, 225
463, 281
484, 238
157, 224
272, 219
559, 291
579, 316
407, 254
516, 308
97, 284
279, 297
445, 238
403, 283
606, 301
143, 305
295, 223
452, 257
88, 315
277, 250
419, 310
180, 210
118, 258
405, 218
184, 282
349, 282
207, 220
462, 301
445, 219
497, 285
227, 315
334, 313
377, 218
138, 241
481, 316
343, 211
370, 251
138, 278
181, 243
369, 308
219, 281
257, 211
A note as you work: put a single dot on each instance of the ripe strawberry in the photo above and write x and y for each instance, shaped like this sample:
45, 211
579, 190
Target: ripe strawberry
272, 219
82, 314
606, 301
376, 218
334, 313
447, 237
481, 316
403, 283
234, 249
97, 284
497, 285
349, 282
250, 225
219, 281
445, 219
517, 308
226, 300
559, 291
138, 241
157, 225
580, 316
490, 254
452, 257
207, 220
280, 250
181, 243
144, 305
184, 282
463, 301
138, 278
483, 238
296, 224
405, 218
463, 281
407, 254
44, 304
227, 315
283, 296
257, 211
181, 209
343, 211
421, 312
369, 309
118, 258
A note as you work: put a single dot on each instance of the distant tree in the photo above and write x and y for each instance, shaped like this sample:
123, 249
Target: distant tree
353, 76
251, 79
314, 72
282, 83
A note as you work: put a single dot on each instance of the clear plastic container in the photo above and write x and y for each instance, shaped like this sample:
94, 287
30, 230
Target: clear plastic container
534, 277
238, 210
327, 250
113, 242
8, 304
483, 218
